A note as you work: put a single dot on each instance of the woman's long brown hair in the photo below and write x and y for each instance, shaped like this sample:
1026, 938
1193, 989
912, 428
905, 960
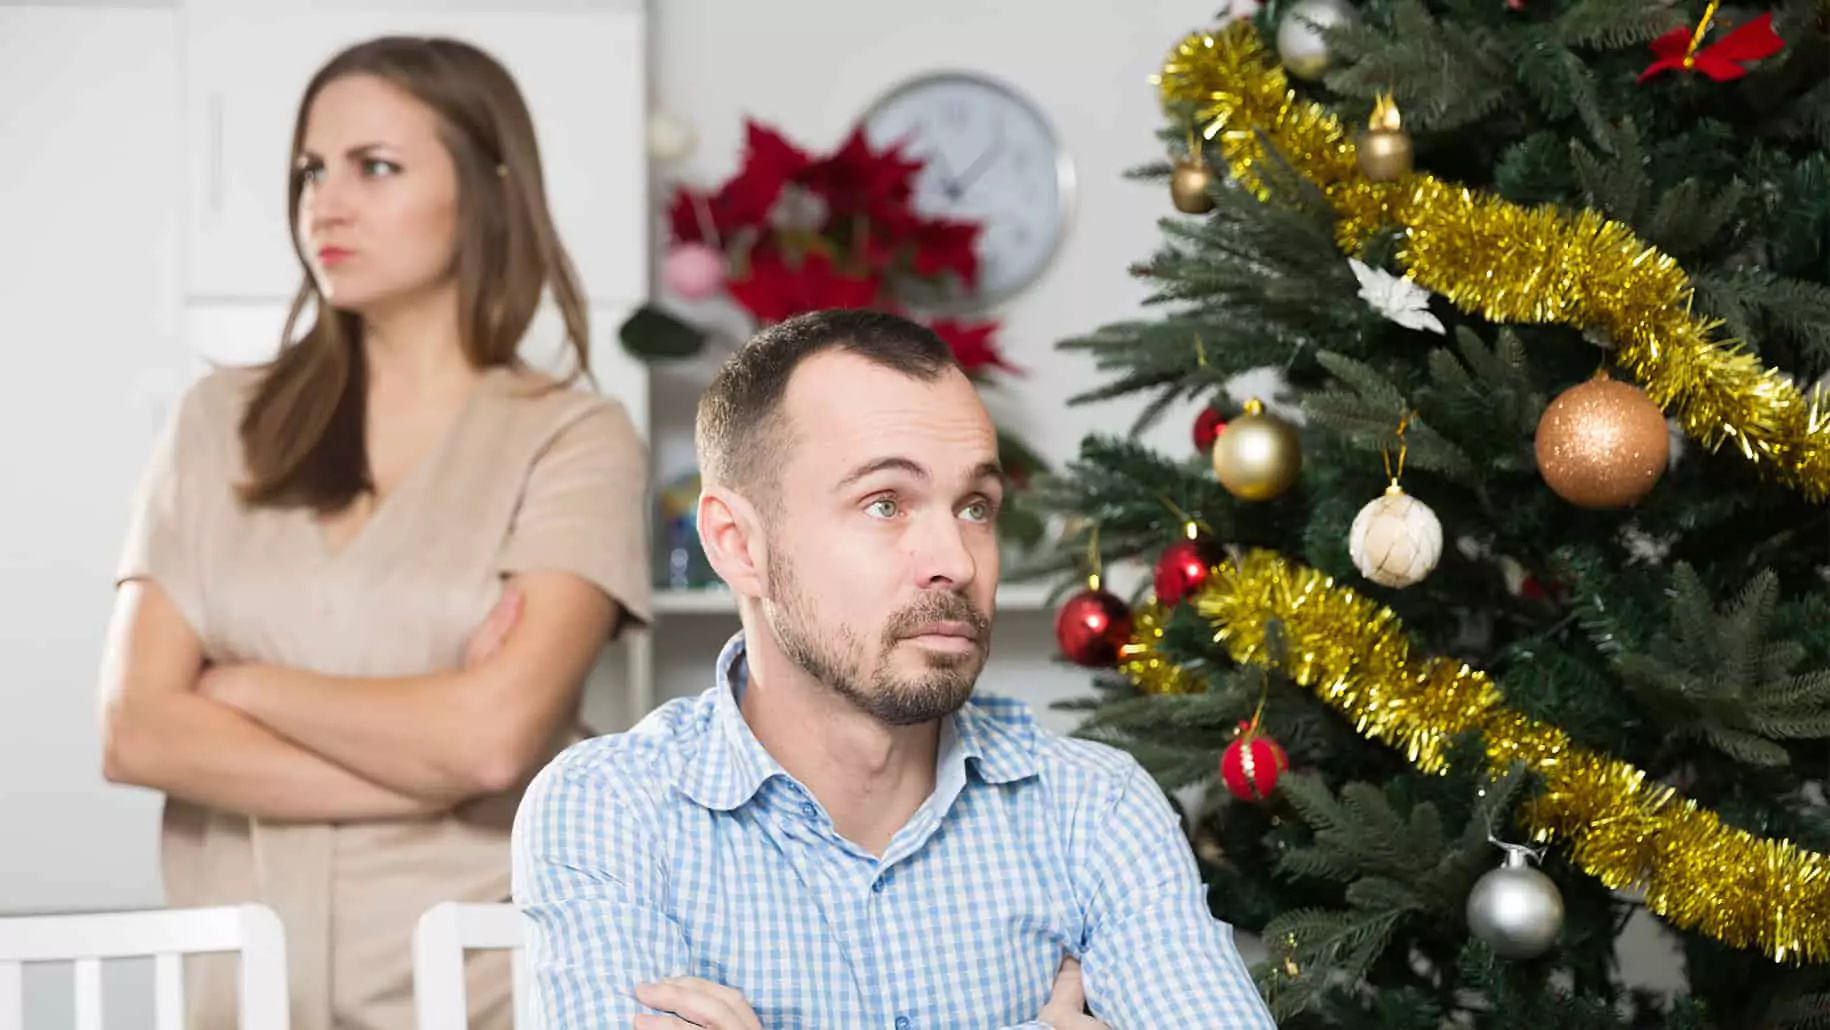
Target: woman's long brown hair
304, 434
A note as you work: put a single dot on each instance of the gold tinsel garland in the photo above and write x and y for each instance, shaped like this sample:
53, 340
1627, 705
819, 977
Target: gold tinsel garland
1622, 828
1511, 264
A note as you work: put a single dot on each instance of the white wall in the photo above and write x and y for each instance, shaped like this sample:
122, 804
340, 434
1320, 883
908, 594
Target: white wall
810, 68
90, 319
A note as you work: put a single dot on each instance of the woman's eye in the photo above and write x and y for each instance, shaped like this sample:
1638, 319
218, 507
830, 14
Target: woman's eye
883, 508
311, 173
978, 511
375, 167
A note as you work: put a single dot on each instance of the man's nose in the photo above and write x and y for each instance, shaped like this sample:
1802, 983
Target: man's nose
943, 559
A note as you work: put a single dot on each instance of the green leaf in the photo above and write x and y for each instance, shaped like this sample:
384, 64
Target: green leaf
654, 335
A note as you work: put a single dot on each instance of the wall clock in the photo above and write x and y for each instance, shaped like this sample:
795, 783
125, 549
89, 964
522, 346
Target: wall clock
991, 156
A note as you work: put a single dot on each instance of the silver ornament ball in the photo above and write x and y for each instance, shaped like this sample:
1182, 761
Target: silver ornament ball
1516, 909
1300, 43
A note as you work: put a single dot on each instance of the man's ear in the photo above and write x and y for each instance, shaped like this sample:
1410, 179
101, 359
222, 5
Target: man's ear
734, 542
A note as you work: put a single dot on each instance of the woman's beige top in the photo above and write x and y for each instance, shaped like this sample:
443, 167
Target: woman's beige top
522, 480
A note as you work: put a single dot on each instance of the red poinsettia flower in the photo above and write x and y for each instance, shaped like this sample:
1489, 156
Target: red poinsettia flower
776, 289
944, 246
858, 181
770, 163
972, 345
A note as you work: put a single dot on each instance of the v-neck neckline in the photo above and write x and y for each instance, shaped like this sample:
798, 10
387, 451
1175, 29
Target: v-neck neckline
421, 469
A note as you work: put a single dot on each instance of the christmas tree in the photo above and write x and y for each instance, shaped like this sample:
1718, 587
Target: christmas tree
1489, 602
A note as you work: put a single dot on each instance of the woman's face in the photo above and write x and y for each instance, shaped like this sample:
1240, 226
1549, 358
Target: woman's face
377, 217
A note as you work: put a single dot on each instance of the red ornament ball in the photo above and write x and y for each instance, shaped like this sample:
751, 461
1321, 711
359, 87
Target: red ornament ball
1252, 763
1180, 570
1091, 627
1208, 427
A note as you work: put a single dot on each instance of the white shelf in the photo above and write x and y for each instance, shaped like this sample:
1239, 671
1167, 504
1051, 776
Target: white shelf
1020, 597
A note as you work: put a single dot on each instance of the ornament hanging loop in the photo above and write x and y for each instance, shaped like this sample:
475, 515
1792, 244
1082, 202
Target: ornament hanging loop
1394, 474
1517, 854
1696, 38
1093, 558
1191, 526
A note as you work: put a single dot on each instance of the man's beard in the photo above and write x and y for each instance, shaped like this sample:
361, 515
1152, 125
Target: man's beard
837, 657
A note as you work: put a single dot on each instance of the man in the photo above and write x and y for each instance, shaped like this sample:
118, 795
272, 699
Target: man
839, 834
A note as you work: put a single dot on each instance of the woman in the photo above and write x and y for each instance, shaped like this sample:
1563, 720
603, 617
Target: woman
365, 582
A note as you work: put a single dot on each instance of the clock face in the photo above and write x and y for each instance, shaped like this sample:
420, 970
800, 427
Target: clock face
990, 157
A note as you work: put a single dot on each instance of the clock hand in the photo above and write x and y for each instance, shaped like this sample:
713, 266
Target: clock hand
934, 156
957, 187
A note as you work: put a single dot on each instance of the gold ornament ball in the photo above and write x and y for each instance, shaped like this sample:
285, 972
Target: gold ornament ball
1384, 148
1259, 456
1188, 186
1300, 43
1384, 155
1602, 444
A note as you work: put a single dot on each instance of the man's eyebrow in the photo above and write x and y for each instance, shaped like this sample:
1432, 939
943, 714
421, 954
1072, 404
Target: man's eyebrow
991, 470
876, 465
985, 470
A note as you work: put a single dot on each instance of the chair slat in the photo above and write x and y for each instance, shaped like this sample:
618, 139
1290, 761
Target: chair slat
252, 932
168, 992
88, 994
12, 997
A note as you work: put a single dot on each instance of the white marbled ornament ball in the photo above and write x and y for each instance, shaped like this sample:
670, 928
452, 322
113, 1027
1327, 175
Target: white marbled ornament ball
1301, 44
669, 138
1395, 540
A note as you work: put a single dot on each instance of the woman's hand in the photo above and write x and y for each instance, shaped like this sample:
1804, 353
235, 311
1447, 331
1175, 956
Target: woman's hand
488, 637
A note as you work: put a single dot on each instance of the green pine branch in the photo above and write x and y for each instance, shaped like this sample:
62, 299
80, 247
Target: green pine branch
1444, 75
1397, 867
1715, 676
1615, 24
1367, 414
1752, 302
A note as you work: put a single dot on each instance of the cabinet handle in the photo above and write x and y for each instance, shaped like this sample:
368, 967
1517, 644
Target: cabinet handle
216, 172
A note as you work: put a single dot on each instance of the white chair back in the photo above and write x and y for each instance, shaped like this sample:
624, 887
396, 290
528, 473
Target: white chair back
166, 936
445, 933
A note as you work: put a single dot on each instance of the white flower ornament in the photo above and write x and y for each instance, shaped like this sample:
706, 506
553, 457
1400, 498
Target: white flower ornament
1398, 299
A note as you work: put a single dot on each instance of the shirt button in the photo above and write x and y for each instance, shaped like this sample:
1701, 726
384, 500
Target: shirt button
880, 883
903, 1023
810, 810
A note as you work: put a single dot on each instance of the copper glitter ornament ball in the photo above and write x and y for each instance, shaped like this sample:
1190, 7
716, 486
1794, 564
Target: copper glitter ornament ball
1602, 444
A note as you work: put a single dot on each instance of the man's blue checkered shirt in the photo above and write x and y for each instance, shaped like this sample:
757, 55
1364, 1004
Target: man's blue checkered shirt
682, 848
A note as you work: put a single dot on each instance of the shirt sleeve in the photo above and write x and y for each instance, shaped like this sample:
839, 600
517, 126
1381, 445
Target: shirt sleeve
162, 520
590, 881
584, 509
1155, 955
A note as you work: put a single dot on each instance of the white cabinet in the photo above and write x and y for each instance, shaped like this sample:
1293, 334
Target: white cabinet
580, 67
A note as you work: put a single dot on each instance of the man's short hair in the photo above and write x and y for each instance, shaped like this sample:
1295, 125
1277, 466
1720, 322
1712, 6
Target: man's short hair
741, 434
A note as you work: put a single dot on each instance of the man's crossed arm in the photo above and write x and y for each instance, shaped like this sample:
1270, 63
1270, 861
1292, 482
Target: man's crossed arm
606, 952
